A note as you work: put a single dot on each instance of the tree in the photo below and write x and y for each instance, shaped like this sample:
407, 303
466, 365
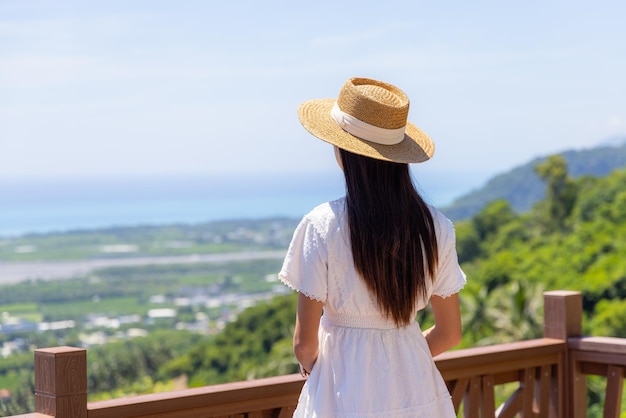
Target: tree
492, 217
609, 319
22, 399
561, 191
257, 344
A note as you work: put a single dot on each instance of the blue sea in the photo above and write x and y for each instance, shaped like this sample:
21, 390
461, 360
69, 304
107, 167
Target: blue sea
56, 205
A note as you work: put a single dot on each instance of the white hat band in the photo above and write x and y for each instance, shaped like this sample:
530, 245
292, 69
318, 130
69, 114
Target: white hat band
366, 131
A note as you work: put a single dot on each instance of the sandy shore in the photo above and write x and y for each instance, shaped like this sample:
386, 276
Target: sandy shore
14, 272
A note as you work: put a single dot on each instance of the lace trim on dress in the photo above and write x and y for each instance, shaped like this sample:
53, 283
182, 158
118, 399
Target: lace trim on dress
290, 285
449, 292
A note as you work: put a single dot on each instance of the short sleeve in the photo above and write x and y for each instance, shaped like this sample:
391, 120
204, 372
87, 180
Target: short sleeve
305, 268
450, 278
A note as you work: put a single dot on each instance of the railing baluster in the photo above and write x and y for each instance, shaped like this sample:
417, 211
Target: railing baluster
542, 392
557, 388
614, 387
286, 412
488, 404
528, 393
578, 386
458, 392
471, 404
512, 406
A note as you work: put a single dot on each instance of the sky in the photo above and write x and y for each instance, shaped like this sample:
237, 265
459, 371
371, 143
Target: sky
149, 87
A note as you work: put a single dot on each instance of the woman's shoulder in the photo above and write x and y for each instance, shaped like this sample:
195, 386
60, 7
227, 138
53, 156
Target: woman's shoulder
326, 215
443, 226
438, 215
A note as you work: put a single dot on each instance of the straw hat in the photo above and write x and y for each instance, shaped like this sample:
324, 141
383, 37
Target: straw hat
368, 118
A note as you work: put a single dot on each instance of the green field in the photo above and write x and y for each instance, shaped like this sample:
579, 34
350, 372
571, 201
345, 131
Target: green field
168, 240
109, 306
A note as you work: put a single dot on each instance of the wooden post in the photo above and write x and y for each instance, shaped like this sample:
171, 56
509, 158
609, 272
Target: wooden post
563, 318
563, 314
61, 382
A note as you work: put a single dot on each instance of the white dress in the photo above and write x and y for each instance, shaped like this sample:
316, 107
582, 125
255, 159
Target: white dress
367, 367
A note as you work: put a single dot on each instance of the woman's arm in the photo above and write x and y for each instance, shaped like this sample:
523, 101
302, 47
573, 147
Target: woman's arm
305, 338
446, 333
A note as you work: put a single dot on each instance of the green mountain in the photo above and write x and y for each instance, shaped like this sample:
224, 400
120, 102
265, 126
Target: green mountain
522, 188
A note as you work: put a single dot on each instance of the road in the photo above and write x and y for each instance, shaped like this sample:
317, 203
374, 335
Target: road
15, 272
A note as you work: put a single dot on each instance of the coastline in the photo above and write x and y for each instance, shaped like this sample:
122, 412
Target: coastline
47, 206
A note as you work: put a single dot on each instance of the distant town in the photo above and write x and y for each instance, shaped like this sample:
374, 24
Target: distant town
98, 329
122, 283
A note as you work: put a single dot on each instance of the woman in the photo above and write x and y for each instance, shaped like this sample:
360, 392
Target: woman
369, 262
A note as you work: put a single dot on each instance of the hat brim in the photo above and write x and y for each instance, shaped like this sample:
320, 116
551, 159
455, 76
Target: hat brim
416, 147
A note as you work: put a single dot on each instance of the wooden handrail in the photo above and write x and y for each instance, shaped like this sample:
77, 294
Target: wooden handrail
496, 358
549, 374
33, 415
606, 345
276, 394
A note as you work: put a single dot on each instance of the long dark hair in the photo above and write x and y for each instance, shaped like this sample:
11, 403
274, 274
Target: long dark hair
392, 233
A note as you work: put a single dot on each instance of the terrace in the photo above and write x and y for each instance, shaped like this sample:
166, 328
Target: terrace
545, 377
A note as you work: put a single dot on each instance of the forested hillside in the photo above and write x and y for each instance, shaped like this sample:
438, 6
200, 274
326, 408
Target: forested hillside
522, 187
573, 239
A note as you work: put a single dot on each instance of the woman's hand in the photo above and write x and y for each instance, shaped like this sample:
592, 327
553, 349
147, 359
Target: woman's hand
304, 372
446, 333
305, 338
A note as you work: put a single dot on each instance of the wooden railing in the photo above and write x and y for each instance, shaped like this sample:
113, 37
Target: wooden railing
535, 366
599, 356
544, 377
